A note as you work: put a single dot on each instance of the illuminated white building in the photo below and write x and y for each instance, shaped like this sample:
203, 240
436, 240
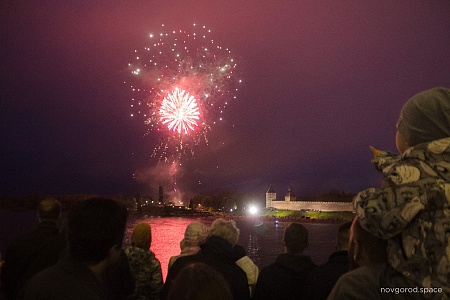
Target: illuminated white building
291, 202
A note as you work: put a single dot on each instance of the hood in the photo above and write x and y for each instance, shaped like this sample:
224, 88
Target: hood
294, 262
434, 157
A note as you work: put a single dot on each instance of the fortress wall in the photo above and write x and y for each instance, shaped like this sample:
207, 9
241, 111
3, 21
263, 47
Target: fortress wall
305, 205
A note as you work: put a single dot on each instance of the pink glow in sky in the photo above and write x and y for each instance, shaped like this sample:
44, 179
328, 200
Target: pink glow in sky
324, 80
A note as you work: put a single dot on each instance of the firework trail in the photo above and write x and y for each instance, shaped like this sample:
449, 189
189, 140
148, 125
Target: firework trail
181, 83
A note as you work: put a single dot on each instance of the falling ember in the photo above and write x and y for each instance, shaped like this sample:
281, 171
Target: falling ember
179, 111
181, 83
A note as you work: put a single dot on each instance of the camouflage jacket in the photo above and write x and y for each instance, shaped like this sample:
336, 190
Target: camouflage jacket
412, 210
147, 272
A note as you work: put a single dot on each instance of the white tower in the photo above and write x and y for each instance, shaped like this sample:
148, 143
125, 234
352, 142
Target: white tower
270, 196
290, 195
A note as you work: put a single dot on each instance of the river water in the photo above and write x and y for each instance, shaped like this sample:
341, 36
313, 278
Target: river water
259, 236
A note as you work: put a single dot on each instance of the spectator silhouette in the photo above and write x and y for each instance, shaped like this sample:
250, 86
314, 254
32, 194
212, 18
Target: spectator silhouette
33, 251
194, 235
287, 277
324, 277
411, 208
119, 279
369, 270
198, 281
247, 265
144, 265
217, 252
95, 230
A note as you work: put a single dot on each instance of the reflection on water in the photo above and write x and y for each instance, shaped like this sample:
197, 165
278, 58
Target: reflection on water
261, 238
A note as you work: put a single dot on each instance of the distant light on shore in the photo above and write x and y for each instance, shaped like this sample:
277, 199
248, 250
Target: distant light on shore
253, 210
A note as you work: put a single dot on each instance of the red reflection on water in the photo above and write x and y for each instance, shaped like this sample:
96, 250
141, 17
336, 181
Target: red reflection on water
262, 241
166, 236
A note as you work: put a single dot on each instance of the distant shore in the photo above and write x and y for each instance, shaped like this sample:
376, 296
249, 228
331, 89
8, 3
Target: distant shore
263, 218
30, 204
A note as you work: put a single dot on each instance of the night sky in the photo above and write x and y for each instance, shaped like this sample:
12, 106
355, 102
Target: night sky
322, 81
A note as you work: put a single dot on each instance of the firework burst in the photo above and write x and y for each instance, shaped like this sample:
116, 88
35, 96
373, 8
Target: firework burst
181, 83
179, 111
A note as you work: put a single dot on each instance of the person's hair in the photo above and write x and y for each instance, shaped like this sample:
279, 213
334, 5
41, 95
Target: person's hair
94, 226
195, 234
141, 236
295, 238
374, 247
343, 236
198, 281
49, 209
225, 229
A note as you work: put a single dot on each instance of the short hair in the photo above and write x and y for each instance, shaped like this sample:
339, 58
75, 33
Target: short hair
343, 236
49, 209
94, 226
195, 234
295, 238
225, 229
374, 247
198, 281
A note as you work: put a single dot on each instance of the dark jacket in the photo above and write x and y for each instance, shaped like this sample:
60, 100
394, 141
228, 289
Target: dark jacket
67, 280
324, 277
30, 253
217, 253
285, 279
119, 279
378, 281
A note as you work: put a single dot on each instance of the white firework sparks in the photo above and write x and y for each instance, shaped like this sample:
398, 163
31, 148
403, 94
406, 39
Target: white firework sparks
179, 111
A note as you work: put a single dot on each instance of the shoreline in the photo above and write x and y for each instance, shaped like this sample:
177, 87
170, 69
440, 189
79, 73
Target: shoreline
279, 216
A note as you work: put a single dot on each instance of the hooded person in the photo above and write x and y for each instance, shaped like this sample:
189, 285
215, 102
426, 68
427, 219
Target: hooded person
194, 235
145, 267
287, 277
411, 209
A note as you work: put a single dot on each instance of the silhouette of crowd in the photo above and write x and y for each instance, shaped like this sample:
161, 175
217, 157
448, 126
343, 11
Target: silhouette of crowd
397, 246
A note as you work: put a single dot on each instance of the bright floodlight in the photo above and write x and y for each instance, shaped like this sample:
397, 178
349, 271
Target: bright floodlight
253, 210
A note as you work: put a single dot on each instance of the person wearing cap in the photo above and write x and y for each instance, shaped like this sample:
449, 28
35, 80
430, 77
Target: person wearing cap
194, 235
411, 209
145, 267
